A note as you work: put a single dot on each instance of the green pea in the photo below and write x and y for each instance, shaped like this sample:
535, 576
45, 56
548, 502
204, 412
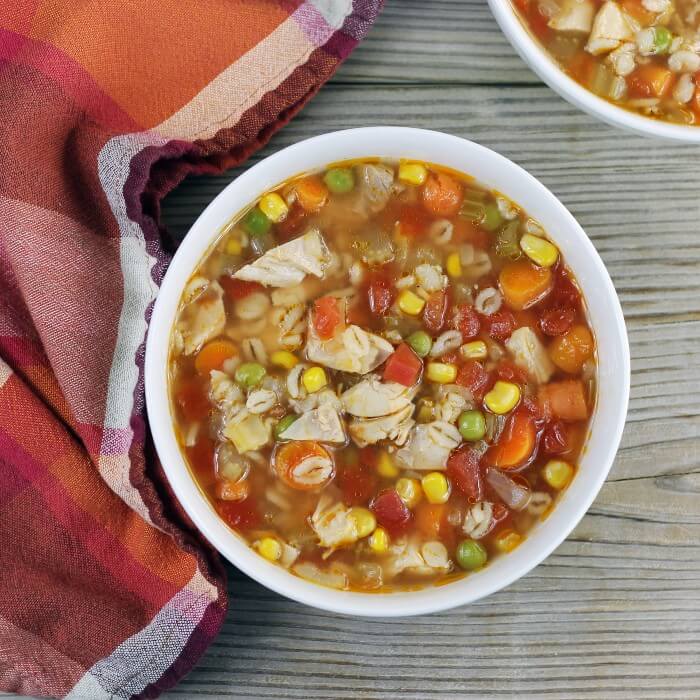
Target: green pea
339, 180
283, 424
471, 555
250, 374
256, 223
472, 425
662, 40
421, 343
492, 217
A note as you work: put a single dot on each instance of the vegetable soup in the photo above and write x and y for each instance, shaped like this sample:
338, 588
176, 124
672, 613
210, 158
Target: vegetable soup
643, 55
382, 375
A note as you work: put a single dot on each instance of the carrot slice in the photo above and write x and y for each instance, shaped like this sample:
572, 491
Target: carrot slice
571, 350
213, 355
565, 400
290, 455
517, 443
311, 193
442, 195
523, 284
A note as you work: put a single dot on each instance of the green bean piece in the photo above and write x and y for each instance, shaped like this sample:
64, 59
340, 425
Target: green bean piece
283, 424
339, 180
471, 555
250, 374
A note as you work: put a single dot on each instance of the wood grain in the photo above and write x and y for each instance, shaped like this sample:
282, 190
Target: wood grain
615, 611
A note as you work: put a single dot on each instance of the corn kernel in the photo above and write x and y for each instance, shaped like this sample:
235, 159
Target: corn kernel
274, 207
476, 350
270, 548
410, 491
364, 520
441, 372
539, 250
410, 303
453, 265
557, 473
284, 359
436, 487
379, 541
502, 398
412, 173
386, 467
314, 379
233, 246
508, 540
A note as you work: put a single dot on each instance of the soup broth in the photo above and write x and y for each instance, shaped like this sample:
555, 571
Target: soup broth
382, 374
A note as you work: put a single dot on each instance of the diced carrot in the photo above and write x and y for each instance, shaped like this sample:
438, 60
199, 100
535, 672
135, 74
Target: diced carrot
571, 350
289, 455
311, 193
213, 355
650, 80
516, 444
191, 399
523, 284
442, 194
565, 400
431, 518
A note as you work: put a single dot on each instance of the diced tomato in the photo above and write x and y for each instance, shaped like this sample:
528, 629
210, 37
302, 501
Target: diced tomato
532, 406
466, 321
517, 444
391, 512
435, 311
239, 289
326, 316
380, 292
565, 292
509, 372
557, 320
468, 232
451, 358
555, 440
565, 400
241, 515
357, 482
474, 377
403, 367
192, 400
293, 222
500, 325
465, 472
413, 222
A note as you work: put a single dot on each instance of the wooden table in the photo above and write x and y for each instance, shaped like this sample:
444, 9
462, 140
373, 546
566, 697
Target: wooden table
615, 611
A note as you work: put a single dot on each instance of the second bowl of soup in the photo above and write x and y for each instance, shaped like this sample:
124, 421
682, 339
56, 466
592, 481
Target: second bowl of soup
381, 374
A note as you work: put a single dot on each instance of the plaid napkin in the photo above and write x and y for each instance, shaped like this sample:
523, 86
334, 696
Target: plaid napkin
105, 591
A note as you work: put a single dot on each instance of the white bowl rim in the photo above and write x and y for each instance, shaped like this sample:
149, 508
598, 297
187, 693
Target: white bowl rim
391, 141
549, 71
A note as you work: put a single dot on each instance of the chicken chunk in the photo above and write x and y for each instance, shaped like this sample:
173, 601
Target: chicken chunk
333, 525
429, 559
575, 16
203, 318
289, 263
429, 446
323, 424
610, 29
375, 188
247, 431
529, 353
372, 398
395, 427
350, 350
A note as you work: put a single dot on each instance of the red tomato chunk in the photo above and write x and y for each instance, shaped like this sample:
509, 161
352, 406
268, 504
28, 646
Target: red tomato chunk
326, 316
474, 377
403, 367
557, 320
391, 512
466, 321
464, 471
380, 293
435, 312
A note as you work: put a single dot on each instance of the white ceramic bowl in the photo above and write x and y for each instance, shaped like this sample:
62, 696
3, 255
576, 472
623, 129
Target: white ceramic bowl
546, 67
606, 318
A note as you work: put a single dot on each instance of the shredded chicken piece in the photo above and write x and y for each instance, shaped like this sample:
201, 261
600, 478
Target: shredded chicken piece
372, 398
323, 424
529, 353
333, 525
204, 316
429, 446
395, 427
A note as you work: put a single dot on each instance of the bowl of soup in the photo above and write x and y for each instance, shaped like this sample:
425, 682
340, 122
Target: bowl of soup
632, 63
386, 372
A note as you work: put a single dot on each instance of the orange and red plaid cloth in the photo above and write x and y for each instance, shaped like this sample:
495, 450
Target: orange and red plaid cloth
105, 592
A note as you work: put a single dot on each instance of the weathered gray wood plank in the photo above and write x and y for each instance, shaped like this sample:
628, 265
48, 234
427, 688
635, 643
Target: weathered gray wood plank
615, 612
